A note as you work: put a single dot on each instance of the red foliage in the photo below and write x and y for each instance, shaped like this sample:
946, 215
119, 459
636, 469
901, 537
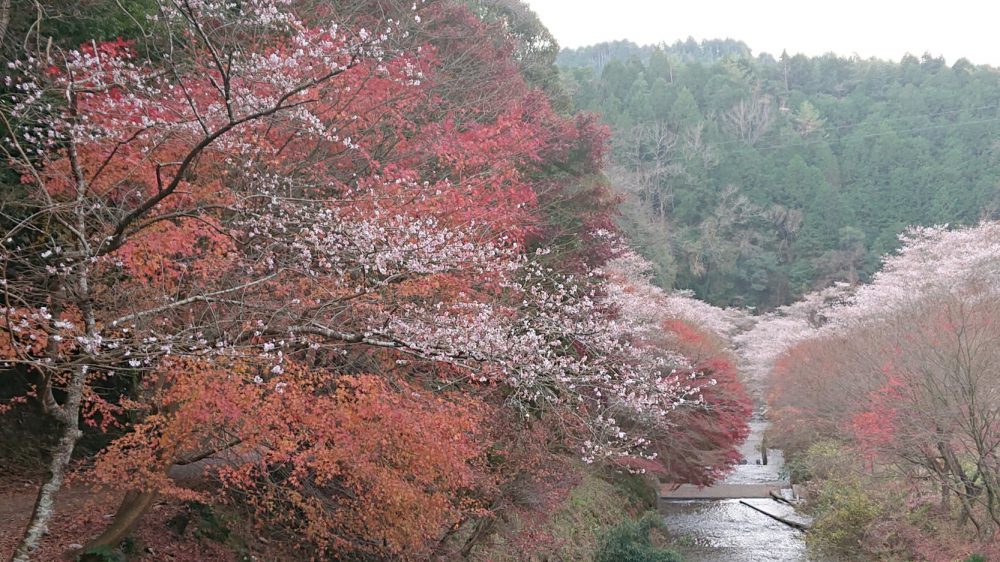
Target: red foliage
349, 463
876, 426
705, 442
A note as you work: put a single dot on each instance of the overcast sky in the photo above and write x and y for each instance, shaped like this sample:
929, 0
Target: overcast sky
880, 28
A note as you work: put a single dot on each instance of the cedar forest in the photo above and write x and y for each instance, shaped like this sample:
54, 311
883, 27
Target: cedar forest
401, 280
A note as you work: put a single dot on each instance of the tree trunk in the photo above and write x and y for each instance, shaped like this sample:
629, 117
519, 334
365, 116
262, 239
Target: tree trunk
955, 468
4, 20
134, 505
45, 503
69, 415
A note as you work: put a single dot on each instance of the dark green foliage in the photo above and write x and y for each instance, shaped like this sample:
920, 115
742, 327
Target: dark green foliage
535, 49
101, 554
975, 558
210, 524
640, 489
72, 23
630, 542
751, 180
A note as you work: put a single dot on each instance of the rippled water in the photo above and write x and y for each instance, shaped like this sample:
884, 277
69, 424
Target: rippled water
752, 473
728, 531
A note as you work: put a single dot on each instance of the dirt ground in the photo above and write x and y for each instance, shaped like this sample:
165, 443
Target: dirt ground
81, 513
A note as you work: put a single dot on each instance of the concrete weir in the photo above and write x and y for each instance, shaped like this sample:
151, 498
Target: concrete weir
723, 491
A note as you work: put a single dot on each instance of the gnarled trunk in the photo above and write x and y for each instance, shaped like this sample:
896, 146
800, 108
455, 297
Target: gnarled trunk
134, 505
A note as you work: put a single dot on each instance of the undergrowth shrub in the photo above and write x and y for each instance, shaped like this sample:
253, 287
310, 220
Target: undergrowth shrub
630, 542
847, 500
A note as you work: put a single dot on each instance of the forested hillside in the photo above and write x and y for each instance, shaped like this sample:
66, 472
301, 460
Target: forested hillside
372, 280
752, 180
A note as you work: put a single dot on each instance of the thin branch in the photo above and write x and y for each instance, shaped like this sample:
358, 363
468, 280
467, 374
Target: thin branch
208, 297
117, 238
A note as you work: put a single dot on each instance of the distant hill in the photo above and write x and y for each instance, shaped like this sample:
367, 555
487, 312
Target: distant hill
597, 56
751, 180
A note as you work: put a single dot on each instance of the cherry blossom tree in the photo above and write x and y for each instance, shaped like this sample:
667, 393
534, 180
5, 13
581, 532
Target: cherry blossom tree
774, 333
905, 367
124, 155
259, 218
699, 442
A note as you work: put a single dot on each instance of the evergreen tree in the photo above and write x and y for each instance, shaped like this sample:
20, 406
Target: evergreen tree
833, 158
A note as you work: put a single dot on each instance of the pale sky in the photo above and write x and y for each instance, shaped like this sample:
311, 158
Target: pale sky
884, 29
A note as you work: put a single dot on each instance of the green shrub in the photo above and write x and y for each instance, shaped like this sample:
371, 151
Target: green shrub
822, 459
573, 529
830, 456
101, 554
209, 523
796, 470
630, 542
845, 508
847, 499
639, 489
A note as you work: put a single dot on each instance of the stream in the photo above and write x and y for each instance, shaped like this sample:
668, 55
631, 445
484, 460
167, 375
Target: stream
724, 530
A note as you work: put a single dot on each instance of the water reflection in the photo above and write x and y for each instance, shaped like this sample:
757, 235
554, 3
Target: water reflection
725, 530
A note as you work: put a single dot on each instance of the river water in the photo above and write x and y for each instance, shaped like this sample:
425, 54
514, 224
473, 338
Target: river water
728, 531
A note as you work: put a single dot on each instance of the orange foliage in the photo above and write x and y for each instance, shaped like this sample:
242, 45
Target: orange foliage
346, 463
